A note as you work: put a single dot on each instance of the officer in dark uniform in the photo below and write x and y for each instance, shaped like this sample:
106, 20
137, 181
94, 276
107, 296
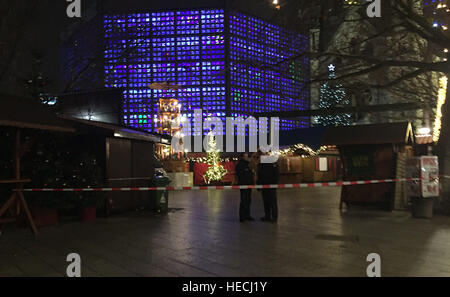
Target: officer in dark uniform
268, 174
245, 177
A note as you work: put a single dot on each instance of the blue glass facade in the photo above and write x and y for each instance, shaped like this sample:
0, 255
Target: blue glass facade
229, 64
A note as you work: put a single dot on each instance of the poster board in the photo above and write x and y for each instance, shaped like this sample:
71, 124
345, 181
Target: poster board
425, 168
430, 176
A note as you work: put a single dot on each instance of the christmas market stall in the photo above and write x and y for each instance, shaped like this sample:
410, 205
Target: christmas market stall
169, 121
21, 123
124, 154
55, 152
127, 158
371, 152
304, 158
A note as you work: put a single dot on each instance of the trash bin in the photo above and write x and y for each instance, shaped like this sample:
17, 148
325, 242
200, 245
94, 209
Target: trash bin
422, 207
160, 198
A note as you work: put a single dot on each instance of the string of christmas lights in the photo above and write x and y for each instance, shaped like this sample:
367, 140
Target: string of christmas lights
298, 147
440, 12
333, 95
205, 160
284, 152
443, 83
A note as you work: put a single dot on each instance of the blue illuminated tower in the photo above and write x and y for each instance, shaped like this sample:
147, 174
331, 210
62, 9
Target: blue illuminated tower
229, 63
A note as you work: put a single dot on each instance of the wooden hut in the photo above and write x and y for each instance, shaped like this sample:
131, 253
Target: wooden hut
127, 160
126, 156
306, 159
19, 114
371, 152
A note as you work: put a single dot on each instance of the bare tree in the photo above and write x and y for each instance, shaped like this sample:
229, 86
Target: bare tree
403, 53
15, 16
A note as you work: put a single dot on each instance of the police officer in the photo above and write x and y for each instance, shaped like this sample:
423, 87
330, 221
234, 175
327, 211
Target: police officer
268, 174
245, 177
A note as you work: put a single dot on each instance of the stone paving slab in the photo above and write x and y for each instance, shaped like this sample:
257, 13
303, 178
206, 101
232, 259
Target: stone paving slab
202, 237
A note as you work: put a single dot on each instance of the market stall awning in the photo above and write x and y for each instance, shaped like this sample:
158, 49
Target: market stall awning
424, 139
111, 130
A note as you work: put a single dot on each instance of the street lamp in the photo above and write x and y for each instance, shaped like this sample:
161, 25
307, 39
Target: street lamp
276, 4
424, 131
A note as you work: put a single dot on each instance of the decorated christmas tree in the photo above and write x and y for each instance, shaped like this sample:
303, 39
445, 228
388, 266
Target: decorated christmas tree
333, 95
215, 171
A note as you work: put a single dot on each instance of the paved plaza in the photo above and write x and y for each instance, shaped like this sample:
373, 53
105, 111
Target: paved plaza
202, 236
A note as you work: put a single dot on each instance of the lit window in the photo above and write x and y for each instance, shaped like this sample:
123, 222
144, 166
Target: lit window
323, 164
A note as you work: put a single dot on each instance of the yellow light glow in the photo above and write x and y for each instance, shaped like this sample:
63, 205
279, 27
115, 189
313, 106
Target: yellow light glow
310, 152
442, 96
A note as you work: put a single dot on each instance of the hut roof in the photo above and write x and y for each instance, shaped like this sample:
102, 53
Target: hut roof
111, 130
391, 133
104, 105
24, 113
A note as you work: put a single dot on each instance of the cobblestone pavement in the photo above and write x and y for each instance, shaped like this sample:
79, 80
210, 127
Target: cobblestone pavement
202, 236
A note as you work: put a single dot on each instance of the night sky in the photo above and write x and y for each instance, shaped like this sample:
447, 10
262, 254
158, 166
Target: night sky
45, 30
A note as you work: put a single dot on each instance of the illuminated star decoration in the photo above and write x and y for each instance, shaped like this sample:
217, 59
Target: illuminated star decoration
333, 95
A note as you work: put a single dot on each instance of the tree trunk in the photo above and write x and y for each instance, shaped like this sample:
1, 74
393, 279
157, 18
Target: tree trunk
443, 152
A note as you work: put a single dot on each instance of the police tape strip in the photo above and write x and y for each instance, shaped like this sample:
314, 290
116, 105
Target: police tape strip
203, 188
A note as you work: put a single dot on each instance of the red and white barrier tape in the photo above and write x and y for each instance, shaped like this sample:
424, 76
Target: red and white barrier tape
201, 188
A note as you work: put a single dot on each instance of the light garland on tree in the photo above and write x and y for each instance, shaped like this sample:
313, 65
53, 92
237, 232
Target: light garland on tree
333, 95
440, 12
442, 96
215, 171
